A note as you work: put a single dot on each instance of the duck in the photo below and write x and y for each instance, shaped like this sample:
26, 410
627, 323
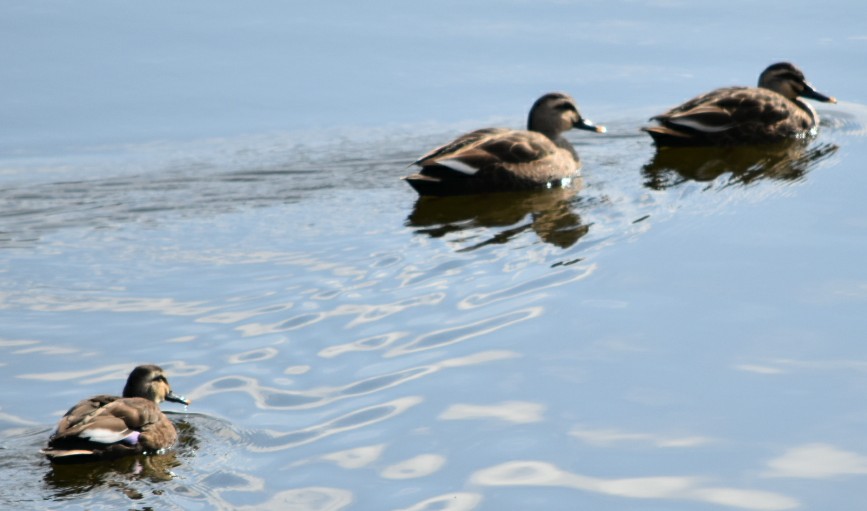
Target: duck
108, 427
773, 112
500, 159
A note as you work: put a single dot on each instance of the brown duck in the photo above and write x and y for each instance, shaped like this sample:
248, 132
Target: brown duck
105, 426
772, 112
496, 159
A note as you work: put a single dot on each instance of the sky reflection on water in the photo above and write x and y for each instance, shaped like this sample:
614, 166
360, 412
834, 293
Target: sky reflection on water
680, 332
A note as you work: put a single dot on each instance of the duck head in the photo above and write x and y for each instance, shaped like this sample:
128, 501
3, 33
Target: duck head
556, 112
786, 79
150, 382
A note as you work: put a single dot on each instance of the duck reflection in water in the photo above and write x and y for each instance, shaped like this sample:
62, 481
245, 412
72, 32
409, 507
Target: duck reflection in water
548, 213
75, 478
786, 161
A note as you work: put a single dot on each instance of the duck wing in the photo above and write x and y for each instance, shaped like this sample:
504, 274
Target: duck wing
463, 143
108, 426
493, 159
729, 115
484, 150
518, 147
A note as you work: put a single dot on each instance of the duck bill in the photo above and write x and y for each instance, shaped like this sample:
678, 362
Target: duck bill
810, 92
174, 398
587, 124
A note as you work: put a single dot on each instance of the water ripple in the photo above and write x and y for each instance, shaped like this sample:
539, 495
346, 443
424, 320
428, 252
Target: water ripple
460, 501
272, 398
357, 457
89, 303
313, 498
373, 343
276, 440
419, 466
516, 412
453, 335
362, 314
546, 281
538, 473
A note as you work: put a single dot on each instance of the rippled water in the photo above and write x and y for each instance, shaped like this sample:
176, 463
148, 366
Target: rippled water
679, 333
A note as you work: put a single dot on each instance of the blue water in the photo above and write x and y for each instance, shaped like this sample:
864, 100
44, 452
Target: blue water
215, 189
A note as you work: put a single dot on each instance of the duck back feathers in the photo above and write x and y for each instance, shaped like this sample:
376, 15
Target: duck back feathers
770, 113
106, 426
496, 159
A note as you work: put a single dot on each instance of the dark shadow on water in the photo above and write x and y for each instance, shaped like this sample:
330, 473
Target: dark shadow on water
67, 479
64, 480
548, 213
671, 167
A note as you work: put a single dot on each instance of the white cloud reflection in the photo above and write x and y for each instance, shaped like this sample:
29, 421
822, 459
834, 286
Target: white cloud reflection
276, 398
418, 466
314, 498
532, 287
357, 314
518, 412
455, 334
8, 418
356, 458
367, 344
758, 369
461, 501
111, 372
789, 365
816, 461
90, 303
611, 436
538, 473
270, 441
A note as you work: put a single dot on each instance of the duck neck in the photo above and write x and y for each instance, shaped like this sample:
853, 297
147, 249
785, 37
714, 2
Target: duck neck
565, 144
551, 134
808, 108
133, 390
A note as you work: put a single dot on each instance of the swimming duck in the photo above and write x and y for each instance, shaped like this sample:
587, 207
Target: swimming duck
772, 112
494, 159
106, 426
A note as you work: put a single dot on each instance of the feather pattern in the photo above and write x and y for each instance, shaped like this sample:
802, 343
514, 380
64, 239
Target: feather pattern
107, 426
771, 112
492, 159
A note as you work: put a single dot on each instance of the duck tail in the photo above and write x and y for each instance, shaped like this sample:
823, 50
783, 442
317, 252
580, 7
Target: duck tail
664, 136
68, 455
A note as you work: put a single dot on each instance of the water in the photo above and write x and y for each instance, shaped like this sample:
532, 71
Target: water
215, 189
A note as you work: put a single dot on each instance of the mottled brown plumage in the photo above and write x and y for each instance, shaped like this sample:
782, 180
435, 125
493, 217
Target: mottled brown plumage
496, 159
772, 112
107, 426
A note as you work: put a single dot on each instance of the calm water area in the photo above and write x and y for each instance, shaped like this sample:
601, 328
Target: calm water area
215, 188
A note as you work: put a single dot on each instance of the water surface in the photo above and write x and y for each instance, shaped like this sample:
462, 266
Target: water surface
679, 333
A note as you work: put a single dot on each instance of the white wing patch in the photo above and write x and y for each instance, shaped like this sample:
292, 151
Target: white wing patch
459, 166
104, 436
695, 124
